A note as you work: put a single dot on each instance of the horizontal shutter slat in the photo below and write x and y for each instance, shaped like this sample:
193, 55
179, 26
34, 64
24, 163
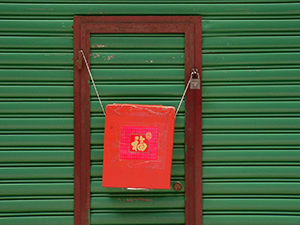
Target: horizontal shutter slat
37, 123
36, 59
138, 90
138, 218
140, 202
258, 25
250, 42
252, 91
257, 172
113, 74
250, 59
137, 58
250, 219
37, 140
251, 123
36, 91
252, 188
36, 156
36, 205
36, 107
251, 107
251, 139
256, 155
38, 220
41, 26
36, 42
37, 189
56, 172
137, 42
251, 204
267, 75
23, 75
152, 9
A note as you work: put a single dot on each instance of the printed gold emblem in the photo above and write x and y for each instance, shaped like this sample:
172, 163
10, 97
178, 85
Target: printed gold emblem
139, 143
148, 135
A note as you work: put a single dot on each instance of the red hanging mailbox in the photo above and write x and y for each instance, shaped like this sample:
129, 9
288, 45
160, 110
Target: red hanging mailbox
138, 145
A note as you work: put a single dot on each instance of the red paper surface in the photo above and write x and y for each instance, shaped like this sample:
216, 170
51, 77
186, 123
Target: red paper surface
138, 145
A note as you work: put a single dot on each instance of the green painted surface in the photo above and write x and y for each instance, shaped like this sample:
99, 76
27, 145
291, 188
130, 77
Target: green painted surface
150, 41
228, 77
137, 202
36, 172
243, 60
251, 156
37, 140
140, 75
239, 44
37, 124
137, 58
139, 69
36, 107
139, 91
37, 189
36, 156
131, 9
251, 204
36, 59
32, 91
277, 123
250, 219
252, 188
23, 75
252, 91
269, 139
36, 43
250, 109
51, 205
38, 220
256, 172
138, 218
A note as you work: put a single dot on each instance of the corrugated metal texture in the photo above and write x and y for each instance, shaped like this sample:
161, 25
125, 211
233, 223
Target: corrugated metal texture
139, 69
250, 108
36, 135
251, 147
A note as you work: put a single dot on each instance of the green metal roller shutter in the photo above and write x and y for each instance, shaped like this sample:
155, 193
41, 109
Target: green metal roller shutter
263, 37
139, 69
251, 140
36, 129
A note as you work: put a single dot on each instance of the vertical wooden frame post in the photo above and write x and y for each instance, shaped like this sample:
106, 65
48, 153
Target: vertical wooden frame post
83, 26
81, 126
193, 132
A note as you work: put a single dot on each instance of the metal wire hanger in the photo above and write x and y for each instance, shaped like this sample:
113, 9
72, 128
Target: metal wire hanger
91, 76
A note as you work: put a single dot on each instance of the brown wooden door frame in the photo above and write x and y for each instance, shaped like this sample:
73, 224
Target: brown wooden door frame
83, 27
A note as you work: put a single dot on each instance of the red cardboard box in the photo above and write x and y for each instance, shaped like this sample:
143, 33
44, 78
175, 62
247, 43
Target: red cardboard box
138, 146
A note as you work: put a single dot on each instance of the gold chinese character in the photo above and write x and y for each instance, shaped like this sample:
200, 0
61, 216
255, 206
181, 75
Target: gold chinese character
138, 144
135, 143
142, 146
